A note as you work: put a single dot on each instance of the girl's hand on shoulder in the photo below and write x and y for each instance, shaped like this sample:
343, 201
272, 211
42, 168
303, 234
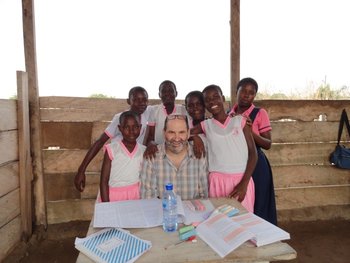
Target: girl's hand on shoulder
249, 122
232, 114
150, 151
198, 147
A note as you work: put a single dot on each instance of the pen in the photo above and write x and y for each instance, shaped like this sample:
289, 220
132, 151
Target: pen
174, 244
180, 242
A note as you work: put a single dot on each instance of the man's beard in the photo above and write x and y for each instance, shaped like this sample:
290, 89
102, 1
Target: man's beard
176, 149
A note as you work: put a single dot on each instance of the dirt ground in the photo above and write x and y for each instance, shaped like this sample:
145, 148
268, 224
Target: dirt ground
317, 241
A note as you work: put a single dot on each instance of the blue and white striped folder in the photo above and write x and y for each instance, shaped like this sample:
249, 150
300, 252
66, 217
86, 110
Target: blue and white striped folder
112, 245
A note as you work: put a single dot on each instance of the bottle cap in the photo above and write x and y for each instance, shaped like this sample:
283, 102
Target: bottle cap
169, 186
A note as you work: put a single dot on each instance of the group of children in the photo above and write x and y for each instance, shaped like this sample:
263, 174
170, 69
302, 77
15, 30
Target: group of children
233, 140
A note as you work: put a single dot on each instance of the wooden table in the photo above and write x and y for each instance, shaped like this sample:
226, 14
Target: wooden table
200, 251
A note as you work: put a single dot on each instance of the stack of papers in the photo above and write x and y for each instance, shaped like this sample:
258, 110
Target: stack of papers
112, 245
145, 213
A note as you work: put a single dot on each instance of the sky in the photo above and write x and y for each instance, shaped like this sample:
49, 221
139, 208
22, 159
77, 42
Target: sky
106, 47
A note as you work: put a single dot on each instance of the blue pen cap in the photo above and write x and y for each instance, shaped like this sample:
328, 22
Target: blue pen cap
169, 186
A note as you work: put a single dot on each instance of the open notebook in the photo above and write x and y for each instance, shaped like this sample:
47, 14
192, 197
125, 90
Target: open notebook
224, 234
145, 213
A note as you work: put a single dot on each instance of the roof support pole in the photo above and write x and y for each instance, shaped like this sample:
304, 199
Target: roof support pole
34, 111
235, 47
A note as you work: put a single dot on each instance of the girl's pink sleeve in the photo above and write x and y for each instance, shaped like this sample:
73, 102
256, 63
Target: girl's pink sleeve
108, 134
203, 126
107, 148
263, 121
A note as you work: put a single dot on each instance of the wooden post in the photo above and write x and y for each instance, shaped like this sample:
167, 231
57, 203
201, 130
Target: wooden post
235, 47
34, 109
25, 161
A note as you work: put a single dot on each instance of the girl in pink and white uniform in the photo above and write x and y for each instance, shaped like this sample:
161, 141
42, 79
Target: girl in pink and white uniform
265, 204
231, 151
120, 173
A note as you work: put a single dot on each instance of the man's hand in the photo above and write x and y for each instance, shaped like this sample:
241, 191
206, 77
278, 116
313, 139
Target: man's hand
79, 181
150, 151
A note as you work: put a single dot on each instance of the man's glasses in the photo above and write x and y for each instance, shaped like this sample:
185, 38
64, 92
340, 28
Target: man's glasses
176, 116
173, 117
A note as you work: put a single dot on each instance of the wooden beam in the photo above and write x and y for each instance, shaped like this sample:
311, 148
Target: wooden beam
235, 47
9, 178
9, 207
34, 109
8, 120
8, 146
25, 161
10, 237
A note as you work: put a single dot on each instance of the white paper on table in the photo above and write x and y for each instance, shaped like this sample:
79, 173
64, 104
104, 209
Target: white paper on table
143, 213
129, 214
197, 216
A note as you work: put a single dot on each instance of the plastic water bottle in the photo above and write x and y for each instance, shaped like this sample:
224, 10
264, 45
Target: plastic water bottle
169, 209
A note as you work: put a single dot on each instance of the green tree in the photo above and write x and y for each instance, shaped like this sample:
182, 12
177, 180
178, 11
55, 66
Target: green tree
100, 96
325, 92
344, 92
279, 96
263, 95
